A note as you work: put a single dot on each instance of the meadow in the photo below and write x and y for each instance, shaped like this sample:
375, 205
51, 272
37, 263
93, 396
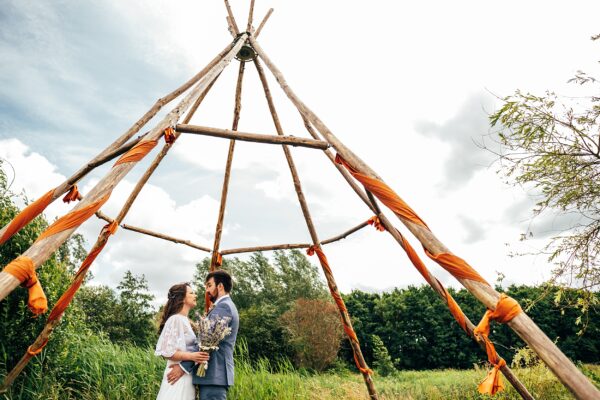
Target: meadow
102, 370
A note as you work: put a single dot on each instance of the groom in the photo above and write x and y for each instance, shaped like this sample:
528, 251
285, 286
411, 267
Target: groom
219, 375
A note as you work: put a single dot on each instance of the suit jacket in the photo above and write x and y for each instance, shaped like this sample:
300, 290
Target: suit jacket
220, 366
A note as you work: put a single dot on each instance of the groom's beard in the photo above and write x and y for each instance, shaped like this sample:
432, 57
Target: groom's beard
212, 297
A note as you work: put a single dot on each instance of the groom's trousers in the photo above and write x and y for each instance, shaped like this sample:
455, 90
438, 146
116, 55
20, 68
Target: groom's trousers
213, 392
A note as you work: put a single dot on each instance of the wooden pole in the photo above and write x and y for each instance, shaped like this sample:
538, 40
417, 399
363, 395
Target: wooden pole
105, 155
266, 248
231, 18
293, 246
315, 239
236, 119
42, 249
562, 367
165, 237
148, 232
252, 137
250, 14
263, 22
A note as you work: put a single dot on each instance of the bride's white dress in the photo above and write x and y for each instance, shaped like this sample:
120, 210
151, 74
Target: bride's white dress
177, 334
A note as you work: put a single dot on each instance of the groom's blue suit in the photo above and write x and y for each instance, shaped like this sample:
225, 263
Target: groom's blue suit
220, 373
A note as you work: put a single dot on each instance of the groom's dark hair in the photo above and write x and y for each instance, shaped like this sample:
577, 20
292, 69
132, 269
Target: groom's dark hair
221, 276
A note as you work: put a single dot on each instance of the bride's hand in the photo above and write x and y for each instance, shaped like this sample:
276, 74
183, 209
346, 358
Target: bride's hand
199, 357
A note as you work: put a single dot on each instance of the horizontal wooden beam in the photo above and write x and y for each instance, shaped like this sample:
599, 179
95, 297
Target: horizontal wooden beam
165, 237
106, 218
252, 137
295, 245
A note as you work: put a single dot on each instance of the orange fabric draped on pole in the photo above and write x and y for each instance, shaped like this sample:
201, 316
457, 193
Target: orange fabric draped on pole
137, 152
74, 218
458, 267
339, 301
26, 215
64, 301
23, 269
506, 309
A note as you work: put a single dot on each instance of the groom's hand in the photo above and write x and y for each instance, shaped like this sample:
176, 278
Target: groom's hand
174, 374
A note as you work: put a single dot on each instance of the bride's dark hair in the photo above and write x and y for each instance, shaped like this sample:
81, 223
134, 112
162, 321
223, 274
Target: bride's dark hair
174, 303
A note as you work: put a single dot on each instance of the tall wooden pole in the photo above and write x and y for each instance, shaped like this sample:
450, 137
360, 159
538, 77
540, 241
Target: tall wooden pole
263, 22
214, 263
562, 367
315, 239
42, 249
250, 16
231, 20
109, 152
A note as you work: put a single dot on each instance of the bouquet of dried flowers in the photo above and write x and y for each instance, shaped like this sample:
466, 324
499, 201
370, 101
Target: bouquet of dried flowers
210, 332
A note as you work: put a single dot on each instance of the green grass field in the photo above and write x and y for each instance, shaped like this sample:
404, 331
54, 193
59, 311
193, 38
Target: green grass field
102, 370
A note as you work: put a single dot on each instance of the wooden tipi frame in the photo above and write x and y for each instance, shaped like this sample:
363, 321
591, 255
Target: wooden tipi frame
351, 167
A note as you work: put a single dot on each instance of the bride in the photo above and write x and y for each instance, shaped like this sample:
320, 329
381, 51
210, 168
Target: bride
177, 342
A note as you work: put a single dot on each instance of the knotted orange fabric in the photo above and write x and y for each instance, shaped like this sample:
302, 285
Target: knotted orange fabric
339, 301
26, 215
219, 260
137, 152
74, 218
451, 263
170, 135
72, 195
374, 220
506, 309
37, 351
23, 269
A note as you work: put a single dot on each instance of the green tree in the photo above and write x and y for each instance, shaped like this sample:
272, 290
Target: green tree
135, 304
103, 312
553, 144
382, 362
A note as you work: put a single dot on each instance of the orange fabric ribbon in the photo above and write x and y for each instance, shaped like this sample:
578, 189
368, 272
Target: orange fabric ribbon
23, 269
37, 351
74, 218
454, 308
66, 298
458, 267
26, 215
374, 220
506, 309
219, 260
384, 193
339, 301
492, 383
72, 195
137, 152
170, 135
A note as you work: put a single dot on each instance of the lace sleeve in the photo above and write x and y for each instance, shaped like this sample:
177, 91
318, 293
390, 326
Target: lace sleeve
172, 337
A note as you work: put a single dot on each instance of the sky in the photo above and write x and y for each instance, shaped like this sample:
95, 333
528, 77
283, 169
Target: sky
407, 86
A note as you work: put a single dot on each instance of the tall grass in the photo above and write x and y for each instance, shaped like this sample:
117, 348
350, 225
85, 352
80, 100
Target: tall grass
94, 368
